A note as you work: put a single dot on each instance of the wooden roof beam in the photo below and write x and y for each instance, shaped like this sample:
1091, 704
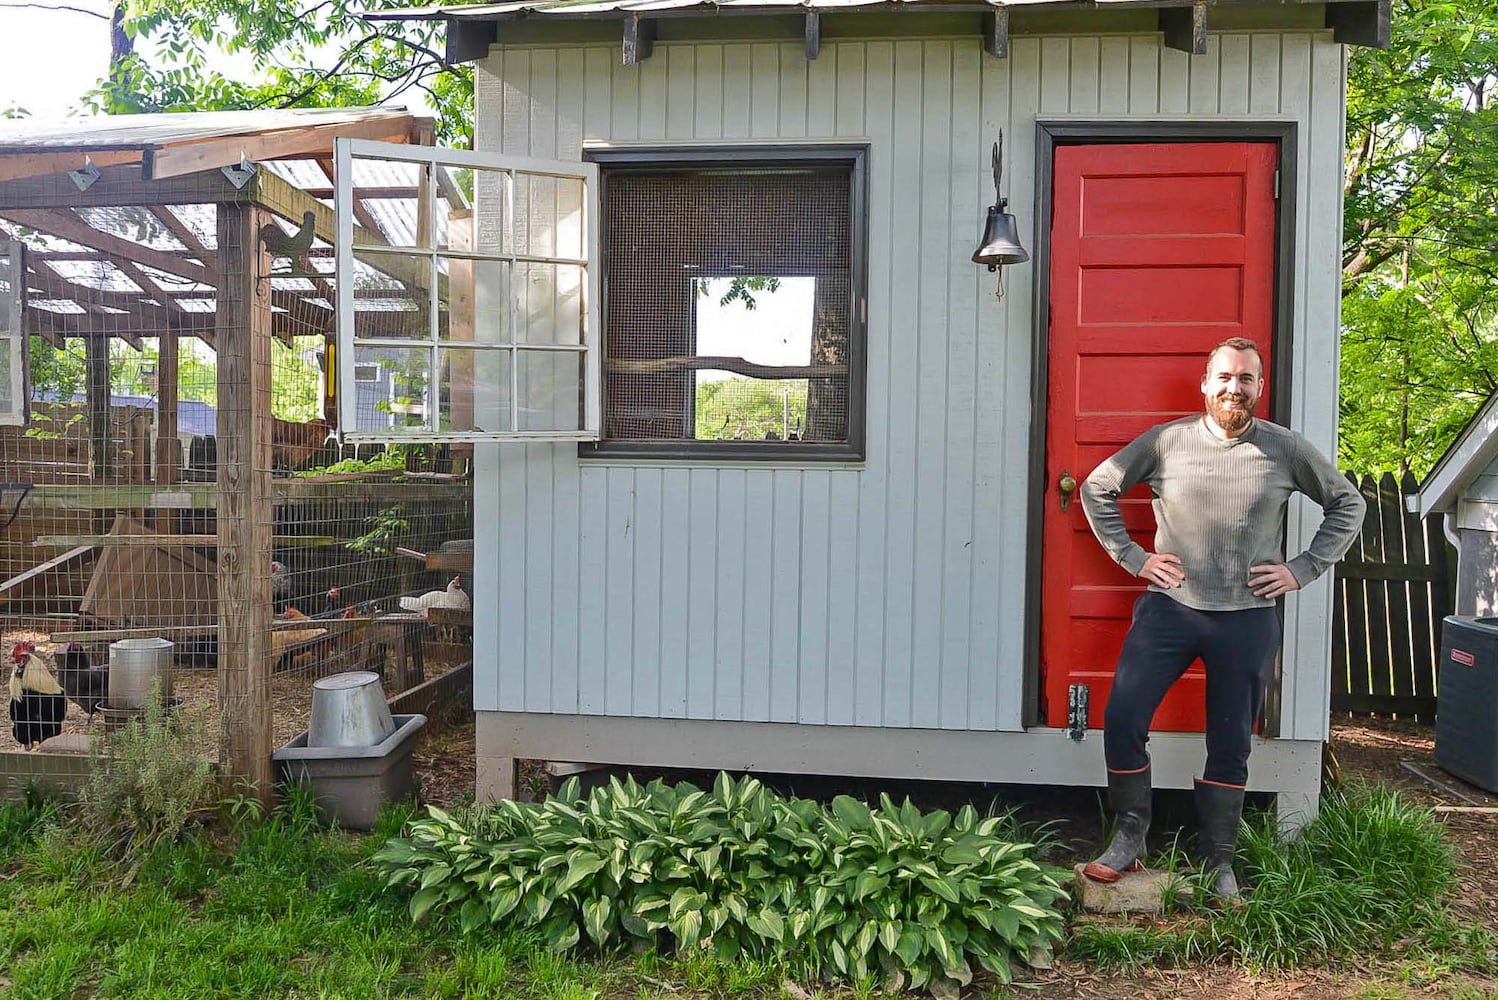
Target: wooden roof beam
70, 227
1360, 23
210, 154
85, 325
291, 202
813, 34
639, 38
1185, 30
185, 236
17, 166
996, 33
469, 39
118, 186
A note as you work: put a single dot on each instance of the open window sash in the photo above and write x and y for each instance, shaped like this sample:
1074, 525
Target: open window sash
15, 384
467, 296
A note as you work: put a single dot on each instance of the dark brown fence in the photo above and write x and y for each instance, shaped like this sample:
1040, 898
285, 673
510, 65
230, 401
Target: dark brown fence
1392, 591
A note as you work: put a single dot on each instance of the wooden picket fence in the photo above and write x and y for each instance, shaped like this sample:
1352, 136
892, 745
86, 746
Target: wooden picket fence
1393, 589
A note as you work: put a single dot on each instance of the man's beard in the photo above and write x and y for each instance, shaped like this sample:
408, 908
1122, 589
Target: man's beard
1230, 419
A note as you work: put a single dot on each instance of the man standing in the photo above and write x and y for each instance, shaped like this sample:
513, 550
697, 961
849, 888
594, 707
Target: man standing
1220, 484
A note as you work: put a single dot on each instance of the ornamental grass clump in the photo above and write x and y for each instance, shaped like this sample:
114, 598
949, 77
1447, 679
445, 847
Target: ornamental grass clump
1372, 874
909, 898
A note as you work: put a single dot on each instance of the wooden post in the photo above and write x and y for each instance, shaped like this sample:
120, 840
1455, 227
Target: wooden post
96, 386
244, 498
168, 448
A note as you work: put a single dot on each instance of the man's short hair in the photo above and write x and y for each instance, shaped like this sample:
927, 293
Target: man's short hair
1237, 344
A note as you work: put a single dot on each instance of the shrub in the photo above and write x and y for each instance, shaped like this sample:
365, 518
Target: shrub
744, 873
148, 780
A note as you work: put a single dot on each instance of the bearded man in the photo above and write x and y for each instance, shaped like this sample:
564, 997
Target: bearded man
1220, 484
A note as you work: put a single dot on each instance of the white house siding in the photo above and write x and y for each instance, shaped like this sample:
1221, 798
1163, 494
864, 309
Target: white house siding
890, 593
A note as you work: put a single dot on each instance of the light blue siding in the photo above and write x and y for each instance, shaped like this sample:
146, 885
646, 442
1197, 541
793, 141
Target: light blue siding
889, 593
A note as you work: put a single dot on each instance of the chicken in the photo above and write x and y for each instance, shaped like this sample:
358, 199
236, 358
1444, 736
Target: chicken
452, 597
292, 443
86, 684
37, 702
295, 245
333, 602
280, 586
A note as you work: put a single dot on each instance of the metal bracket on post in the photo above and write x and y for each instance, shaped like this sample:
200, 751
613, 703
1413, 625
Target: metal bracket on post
84, 178
239, 175
1077, 698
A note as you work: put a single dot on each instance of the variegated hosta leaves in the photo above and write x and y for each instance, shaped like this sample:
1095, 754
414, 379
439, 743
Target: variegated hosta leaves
918, 900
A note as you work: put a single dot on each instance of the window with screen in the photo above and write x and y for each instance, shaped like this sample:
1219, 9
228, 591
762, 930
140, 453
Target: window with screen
733, 288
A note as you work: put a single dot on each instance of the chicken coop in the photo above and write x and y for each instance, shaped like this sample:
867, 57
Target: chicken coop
173, 477
847, 355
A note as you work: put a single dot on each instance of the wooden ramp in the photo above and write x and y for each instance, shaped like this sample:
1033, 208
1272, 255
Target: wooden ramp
151, 586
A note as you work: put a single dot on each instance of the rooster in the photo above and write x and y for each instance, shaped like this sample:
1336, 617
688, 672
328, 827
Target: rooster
86, 684
452, 597
37, 703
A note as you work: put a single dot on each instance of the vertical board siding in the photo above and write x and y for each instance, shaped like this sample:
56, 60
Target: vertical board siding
890, 594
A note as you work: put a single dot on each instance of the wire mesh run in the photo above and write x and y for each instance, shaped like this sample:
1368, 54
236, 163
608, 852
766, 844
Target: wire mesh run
177, 508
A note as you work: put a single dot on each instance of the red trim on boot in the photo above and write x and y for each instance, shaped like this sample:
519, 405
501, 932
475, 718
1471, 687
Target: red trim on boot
1102, 873
1219, 784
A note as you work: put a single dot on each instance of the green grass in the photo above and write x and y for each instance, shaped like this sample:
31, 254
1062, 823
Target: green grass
1369, 878
271, 907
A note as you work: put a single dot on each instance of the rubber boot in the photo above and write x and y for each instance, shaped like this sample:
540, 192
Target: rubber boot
1219, 808
1129, 797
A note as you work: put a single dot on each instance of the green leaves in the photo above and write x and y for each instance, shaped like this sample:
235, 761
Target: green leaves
1419, 276
740, 871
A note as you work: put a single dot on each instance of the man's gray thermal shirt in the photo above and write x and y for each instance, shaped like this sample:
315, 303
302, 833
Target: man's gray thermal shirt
1220, 505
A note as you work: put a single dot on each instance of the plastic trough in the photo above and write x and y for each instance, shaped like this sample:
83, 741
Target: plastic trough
352, 783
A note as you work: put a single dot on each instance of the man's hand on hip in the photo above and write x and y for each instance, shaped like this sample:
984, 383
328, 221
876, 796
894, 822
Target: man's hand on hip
1272, 580
1163, 569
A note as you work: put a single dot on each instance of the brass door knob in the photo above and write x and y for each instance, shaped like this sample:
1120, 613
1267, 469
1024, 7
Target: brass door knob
1067, 485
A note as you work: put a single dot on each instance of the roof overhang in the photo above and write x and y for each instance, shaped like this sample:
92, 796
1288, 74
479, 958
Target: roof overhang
471, 29
171, 145
1474, 449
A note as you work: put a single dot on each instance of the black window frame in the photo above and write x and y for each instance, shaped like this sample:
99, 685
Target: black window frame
688, 159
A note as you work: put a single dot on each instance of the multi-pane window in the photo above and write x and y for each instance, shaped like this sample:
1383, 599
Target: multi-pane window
13, 383
464, 305
732, 303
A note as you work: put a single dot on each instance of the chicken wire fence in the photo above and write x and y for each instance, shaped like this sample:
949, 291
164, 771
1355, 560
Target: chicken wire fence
124, 466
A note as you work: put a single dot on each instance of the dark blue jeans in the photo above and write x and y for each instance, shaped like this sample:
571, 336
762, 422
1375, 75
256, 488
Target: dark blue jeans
1238, 649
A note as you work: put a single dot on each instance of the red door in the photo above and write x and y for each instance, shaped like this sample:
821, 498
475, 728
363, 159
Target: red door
1158, 252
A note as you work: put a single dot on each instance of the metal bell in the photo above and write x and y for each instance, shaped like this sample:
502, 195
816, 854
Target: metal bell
1000, 243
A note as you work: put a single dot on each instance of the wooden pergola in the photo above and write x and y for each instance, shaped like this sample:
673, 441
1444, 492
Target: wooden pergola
163, 226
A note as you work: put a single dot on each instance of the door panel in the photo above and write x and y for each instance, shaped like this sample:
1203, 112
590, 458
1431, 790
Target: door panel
1159, 251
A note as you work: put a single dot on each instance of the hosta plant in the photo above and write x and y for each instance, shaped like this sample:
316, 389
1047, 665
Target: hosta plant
913, 899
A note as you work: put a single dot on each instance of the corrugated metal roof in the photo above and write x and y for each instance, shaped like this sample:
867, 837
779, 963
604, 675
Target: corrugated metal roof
585, 8
157, 130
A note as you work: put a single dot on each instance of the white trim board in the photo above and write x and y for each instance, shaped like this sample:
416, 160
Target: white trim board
1036, 756
1471, 453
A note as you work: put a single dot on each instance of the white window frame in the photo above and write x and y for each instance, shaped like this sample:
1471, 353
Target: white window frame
14, 339
345, 150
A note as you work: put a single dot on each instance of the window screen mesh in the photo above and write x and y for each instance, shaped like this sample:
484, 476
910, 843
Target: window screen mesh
729, 304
